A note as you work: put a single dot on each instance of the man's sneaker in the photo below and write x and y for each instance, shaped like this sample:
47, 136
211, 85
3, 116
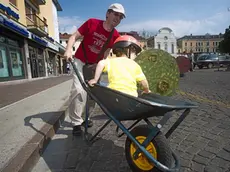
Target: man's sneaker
77, 130
90, 123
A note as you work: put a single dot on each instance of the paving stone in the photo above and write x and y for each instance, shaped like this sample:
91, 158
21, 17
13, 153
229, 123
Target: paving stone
193, 150
201, 160
212, 149
224, 155
197, 167
227, 148
214, 144
206, 154
213, 169
220, 162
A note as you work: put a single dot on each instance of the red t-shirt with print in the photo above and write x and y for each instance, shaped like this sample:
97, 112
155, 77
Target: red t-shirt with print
94, 38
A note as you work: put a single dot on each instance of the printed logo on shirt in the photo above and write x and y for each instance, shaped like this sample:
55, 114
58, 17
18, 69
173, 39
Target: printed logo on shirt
98, 42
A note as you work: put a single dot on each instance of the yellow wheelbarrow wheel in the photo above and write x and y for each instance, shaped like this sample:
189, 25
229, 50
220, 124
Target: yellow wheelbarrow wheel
142, 162
158, 148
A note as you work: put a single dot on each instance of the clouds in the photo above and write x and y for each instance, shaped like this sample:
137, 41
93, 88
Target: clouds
214, 25
69, 24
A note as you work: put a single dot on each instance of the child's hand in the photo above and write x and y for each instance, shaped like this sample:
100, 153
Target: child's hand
146, 92
92, 82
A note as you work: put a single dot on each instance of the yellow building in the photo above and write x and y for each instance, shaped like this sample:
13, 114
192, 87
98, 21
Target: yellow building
199, 43
29, 39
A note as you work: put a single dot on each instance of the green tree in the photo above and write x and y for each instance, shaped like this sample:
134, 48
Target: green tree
224, 46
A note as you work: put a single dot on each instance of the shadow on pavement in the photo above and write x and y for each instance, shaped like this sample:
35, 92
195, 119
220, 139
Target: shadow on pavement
66, 152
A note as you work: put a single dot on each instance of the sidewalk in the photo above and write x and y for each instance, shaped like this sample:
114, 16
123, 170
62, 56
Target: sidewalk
27, 125
13, 92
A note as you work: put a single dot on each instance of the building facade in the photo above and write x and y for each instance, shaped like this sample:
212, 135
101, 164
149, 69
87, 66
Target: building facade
64, 37
29, 39
199, 43
165, 40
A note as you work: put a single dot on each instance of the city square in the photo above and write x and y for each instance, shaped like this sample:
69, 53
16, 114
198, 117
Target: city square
169, 67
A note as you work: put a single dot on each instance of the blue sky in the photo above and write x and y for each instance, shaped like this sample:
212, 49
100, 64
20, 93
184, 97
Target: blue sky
183, 17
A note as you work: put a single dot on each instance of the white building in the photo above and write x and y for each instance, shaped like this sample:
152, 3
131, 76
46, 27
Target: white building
64, 40
165, 40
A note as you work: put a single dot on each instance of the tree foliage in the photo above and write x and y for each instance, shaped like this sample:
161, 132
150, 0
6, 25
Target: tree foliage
224, 46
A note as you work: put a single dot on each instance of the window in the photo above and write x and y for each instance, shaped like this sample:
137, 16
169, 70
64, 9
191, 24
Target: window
60, 41
172, 49
191, 44
207, 43
4, 71
14, 2
159, 46
30, 11
73, 48
166, 47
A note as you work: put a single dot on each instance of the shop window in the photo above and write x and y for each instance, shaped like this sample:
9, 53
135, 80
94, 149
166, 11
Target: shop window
4, 71
16, 62
14, 2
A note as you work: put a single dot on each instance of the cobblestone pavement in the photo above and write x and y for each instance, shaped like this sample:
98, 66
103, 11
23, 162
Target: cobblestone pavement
202, 141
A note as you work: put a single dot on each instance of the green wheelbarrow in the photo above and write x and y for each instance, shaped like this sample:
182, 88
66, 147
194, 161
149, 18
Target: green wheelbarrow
146, 147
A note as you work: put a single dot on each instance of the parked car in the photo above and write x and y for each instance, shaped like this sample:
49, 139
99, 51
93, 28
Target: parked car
211, 60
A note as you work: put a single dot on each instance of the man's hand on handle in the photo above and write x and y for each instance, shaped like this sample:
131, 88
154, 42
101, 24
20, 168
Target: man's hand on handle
68, 55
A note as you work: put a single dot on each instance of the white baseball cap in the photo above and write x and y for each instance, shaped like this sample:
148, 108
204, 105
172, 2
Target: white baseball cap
117, 8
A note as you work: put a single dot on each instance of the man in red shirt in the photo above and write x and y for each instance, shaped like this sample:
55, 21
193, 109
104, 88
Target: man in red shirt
95, 33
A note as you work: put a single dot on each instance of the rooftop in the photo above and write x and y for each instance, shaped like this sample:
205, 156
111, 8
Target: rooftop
206, 36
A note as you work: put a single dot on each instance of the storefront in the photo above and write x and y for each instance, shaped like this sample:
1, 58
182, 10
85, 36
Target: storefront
36, 48
12, 58
23, 54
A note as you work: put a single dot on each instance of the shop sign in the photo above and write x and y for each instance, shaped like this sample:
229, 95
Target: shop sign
39, 40
9, 12
13, 26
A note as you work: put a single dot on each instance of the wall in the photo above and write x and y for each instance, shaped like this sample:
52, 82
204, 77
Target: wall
55, 23
47, 12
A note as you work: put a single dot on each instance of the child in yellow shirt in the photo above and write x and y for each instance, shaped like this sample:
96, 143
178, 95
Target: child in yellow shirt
123, 72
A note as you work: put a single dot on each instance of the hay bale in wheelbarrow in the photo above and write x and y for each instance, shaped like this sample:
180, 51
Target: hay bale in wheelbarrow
161, 71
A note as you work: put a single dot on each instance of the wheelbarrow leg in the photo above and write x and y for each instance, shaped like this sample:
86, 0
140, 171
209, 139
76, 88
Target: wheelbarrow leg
175, 125
86, 134
117, 129
102, 128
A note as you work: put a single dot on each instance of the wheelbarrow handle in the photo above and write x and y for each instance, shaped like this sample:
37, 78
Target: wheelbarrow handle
83, 83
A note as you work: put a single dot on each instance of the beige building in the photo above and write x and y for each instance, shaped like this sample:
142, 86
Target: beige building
29, 39
199, 43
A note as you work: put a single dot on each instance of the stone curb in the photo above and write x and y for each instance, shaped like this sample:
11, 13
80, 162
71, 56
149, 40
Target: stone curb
21, 81
29, 154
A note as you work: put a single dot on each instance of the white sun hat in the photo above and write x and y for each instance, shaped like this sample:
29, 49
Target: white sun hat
117, 8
